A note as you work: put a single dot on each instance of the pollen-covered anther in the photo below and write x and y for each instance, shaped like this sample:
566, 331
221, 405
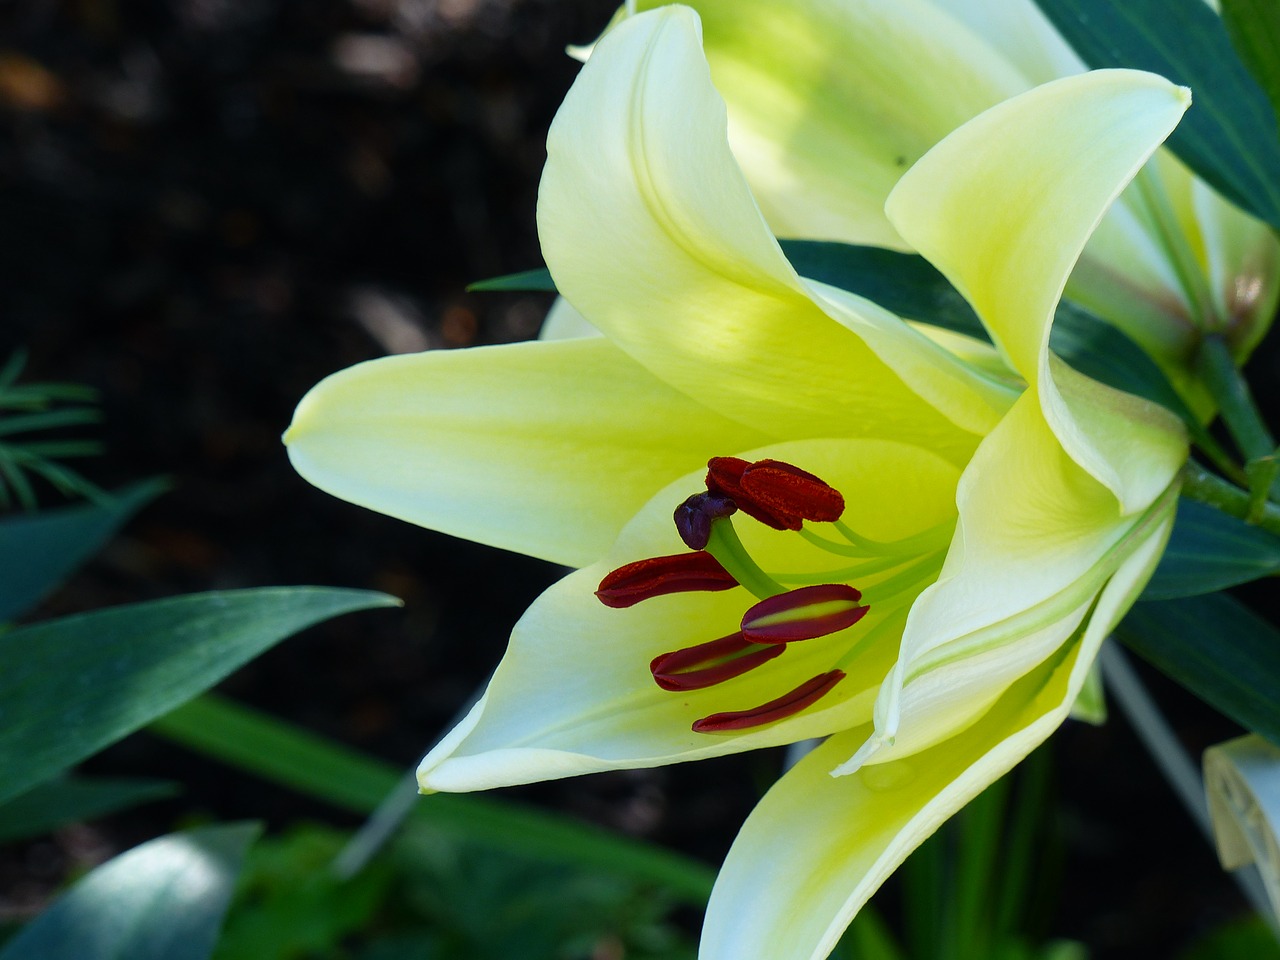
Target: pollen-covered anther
695, 516
657, 576
706, 664
809, 692
804, 614
777, 494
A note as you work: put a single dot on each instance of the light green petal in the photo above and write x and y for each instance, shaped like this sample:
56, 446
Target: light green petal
565, 323
1004, 206
1021, 33
652, 234
817, 846
543, 448
829, 103
1037, 538
574, 694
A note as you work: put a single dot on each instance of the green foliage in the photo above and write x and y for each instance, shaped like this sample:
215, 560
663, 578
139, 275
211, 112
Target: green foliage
1210, 551
290, 905
40, 550
1216, 648
33, 408
1229, 135
69, 687
74, 799
164, 900
1246, 939
336, 774
1254, 29
432, 899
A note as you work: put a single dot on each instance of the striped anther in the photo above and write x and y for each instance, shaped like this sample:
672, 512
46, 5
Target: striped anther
706, 664
804, 614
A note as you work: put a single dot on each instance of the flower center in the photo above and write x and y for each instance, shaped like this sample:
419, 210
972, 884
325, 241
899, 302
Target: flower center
792, 606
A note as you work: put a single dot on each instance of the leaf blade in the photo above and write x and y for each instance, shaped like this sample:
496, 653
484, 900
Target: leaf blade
39, 551
163, 900
71, 686
1218, 649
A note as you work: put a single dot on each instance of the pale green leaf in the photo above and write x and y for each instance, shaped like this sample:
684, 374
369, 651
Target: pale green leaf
163, 900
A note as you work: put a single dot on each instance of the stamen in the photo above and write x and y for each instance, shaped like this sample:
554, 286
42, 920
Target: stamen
707, 664
804, 614
784, 706
657, 576
724, 479
777, 494
787, 489
695, 516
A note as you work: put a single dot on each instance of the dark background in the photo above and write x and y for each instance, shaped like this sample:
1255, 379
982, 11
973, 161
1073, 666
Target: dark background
205, 207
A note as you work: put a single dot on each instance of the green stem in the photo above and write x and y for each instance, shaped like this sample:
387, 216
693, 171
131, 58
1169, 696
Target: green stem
1199, 484
1174, 240
728, 549
1221, 375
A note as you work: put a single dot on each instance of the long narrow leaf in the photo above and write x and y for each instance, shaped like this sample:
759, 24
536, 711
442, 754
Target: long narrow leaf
1229, 136
302, 761
1218, 649
163, 900
69, 687
72, 799
1254, 29
40, 550
1211, 551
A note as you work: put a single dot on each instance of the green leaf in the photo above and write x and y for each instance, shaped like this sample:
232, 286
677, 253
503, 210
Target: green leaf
73, 799
1229, 135
1254, 29
39, 551
903, 283
539, 280
320, 768
1218, 649
69, 687
1211, 551
163, 900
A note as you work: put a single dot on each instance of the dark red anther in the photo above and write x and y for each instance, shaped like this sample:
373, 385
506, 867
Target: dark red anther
656, 576
695, 516
783, 488
777, 494
803, 614
706, 664
784, 706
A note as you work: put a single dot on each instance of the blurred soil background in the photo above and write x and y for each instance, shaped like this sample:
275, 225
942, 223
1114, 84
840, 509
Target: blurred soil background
206, 206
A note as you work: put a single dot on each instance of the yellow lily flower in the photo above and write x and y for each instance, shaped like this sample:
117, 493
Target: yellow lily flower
931, 553
830, 103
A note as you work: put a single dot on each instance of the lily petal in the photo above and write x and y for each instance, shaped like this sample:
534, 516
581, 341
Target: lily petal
644, 213
1004, 205
495, 445
573, 693
827, 843
1037, 539
829, 103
